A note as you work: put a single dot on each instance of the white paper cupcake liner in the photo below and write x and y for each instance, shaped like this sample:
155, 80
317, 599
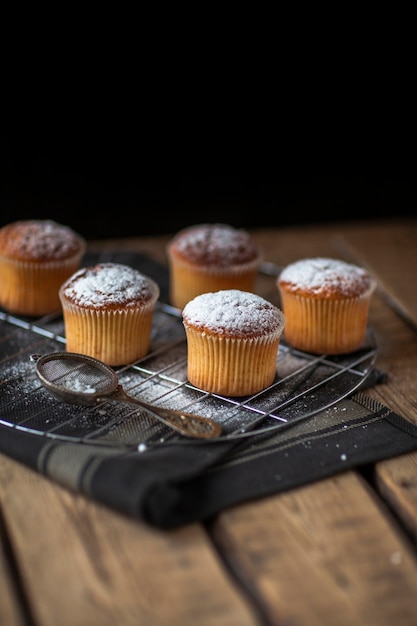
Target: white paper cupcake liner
229, 366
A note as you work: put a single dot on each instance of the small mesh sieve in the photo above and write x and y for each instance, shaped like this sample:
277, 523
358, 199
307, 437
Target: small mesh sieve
80, 379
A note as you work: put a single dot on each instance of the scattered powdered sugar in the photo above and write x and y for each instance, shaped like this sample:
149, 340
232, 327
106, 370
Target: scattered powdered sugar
76, 385
105, 284
321, 274
233, 311
218, 244
39, 240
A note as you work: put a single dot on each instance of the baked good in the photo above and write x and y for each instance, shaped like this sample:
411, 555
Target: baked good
232, 341
36, 256
211, 257
326, 303
108, 312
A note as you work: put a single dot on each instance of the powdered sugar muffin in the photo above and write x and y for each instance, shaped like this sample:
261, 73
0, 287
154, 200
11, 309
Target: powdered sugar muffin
211, 257
326, 304
232, 341
36, 256
108, 312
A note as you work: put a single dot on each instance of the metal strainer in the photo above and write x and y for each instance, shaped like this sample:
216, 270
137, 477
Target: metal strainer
80, 379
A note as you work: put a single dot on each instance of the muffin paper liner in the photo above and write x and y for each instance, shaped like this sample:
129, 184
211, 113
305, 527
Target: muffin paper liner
116, 337
229, 366
32, 288
325, 326
189, 281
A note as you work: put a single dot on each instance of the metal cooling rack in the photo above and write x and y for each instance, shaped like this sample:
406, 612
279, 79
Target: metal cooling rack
305, 384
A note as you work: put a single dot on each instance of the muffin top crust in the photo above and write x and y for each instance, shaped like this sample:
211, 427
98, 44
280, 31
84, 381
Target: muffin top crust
325, 277
231, 312
109, 286
219, 245
40, 240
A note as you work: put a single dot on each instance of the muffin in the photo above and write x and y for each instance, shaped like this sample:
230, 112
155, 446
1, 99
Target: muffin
211, 257
326, 303
36, 256
108, 312
232, 342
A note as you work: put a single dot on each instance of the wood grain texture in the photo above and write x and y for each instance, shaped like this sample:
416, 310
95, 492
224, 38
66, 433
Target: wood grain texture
324, 554
83, 564
389, 250
11, 613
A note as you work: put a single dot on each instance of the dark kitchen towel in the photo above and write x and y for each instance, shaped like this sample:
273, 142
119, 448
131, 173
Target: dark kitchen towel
178, 484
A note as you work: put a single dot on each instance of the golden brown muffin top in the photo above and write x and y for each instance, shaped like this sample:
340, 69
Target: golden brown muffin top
324, 277
217, 245
232, 312
109, 286
40, 240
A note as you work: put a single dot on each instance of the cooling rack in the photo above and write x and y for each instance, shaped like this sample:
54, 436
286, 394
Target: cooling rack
305, 384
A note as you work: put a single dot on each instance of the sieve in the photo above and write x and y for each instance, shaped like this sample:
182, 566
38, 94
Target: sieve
81, 379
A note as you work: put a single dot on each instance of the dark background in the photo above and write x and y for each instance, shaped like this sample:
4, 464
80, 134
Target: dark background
124, 185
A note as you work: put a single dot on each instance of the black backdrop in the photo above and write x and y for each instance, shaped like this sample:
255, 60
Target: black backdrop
125, 187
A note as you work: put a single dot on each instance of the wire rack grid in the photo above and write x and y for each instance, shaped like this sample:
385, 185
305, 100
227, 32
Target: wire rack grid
305, 384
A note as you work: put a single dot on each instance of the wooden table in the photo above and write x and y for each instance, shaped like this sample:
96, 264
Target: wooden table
342, 551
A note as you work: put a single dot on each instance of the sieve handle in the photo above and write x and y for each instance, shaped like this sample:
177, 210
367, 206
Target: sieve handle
185, 423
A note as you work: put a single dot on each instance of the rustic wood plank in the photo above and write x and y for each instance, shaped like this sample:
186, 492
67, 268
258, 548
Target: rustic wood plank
82, 563
323, 554
389, 249
396, 480
397, 357
10, 608
391, 254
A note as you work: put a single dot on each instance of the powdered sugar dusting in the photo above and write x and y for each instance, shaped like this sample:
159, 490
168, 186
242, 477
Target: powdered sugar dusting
233, 311
322, 274
37, 240
218, 244
107, 284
